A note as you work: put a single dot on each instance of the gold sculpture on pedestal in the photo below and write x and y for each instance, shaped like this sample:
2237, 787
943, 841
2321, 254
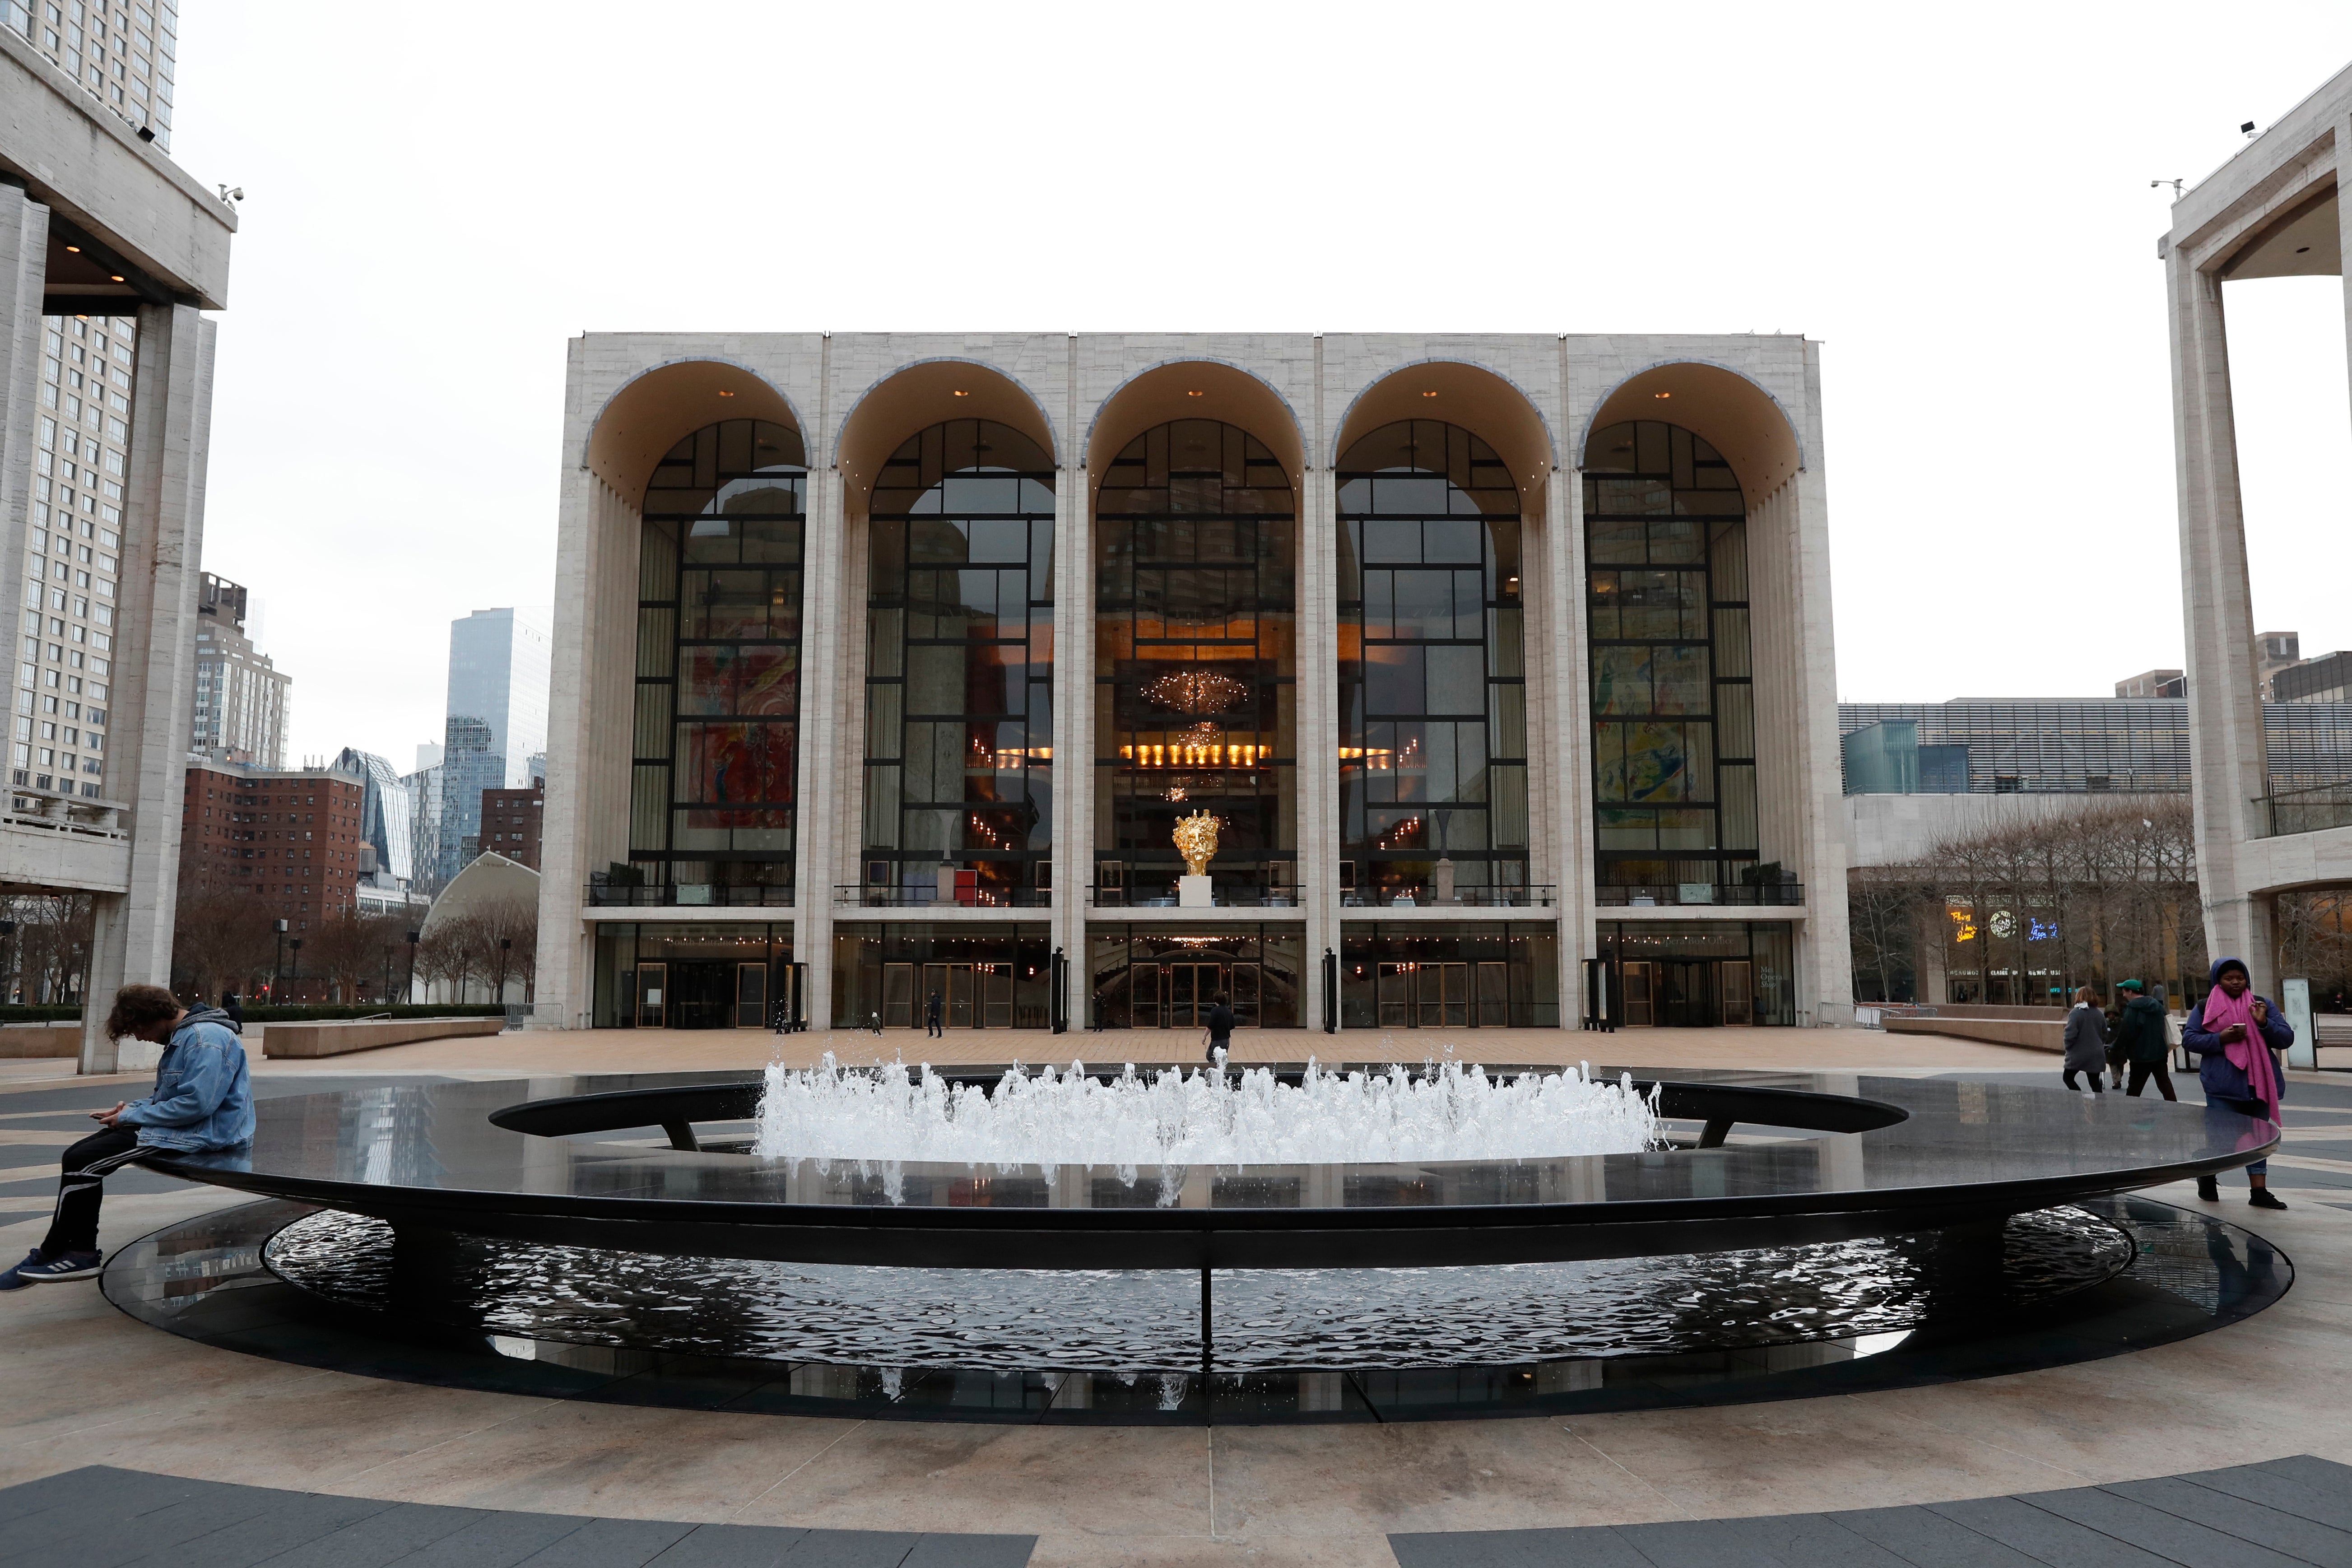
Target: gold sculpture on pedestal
1196, 840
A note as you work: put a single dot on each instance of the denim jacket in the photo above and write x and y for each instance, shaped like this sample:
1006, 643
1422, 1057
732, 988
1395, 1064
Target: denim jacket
203, 1098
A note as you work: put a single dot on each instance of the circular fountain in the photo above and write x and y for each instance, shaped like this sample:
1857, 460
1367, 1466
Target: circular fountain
1267, 1245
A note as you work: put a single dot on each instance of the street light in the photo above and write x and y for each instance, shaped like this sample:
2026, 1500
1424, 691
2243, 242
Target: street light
278, 966
412, 964
506, 951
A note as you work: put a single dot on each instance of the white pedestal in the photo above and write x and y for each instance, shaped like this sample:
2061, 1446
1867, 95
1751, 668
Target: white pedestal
1192, 893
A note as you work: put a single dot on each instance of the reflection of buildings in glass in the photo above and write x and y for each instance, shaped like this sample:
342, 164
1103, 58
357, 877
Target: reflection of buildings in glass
1486, 651
1674, 729
960, 673
1195, 689
1433, 690
715, 779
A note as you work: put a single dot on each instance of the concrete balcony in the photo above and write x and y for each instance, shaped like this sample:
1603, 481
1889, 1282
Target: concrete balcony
52, 840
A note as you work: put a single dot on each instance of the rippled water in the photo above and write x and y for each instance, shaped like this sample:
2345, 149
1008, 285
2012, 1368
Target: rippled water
1149, 1321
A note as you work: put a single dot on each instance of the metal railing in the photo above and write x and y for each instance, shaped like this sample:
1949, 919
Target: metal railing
1539, 897
919, 897
687, 895
1779, 895
2310, 810
1162, 896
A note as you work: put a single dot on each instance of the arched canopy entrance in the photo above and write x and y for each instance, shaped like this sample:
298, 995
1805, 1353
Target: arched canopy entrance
1465, 395
926, 394
652, 414
1730, 413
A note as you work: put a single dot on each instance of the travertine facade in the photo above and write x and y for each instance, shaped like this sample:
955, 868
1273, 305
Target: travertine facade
99, 230
1532, 401
2272, 211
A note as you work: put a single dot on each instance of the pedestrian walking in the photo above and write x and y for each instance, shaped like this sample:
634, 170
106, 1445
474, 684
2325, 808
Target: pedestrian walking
2086, 1041
202, 1101
2233, 1033
935, 1014
2141, 1036
1221, 1025
234, 1009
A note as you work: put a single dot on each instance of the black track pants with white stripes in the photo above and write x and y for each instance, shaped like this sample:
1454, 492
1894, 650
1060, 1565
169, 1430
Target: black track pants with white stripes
82, 1183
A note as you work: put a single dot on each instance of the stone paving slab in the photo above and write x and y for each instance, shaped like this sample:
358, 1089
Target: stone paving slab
2285, 1513
103, 1517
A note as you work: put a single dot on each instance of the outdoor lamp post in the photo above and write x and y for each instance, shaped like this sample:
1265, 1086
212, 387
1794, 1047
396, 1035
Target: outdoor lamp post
277, 965
506, 952
413, 937
296, 945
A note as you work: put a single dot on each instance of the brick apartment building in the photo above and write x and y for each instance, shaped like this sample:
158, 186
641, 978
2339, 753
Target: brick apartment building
511, 820
291, 837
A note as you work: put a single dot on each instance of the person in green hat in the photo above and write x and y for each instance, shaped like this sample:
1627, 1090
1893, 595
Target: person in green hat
2141, 1040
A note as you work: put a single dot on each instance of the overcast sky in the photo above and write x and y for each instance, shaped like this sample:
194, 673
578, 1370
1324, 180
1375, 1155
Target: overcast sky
1954, 200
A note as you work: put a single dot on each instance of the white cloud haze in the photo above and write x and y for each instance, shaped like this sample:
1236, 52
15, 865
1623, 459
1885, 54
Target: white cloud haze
1953, 199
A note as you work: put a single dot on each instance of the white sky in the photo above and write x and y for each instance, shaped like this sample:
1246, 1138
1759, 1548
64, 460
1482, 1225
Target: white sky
1953, 199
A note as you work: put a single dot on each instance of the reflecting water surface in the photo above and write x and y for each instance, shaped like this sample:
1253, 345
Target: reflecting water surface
1150, 1321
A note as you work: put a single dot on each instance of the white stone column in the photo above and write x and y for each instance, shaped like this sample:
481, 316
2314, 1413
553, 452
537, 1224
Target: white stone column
1073, 766
2230, 772
162, 539
825, 819
1564, 767
1317, 664
24, 255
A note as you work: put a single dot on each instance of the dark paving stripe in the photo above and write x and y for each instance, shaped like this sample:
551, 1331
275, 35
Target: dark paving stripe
2285, 1513
101, 1517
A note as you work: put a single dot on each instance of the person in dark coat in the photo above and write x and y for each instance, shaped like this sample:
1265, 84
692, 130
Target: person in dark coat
935, 1014
2141, 1037
2233, 1033
2086, 1041
1221, 1025
230, 1005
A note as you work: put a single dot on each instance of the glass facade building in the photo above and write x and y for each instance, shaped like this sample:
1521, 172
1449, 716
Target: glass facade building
1673, 713
1432, 675
960, 666
2059, 747
1196, 699
1462, 645
714, 790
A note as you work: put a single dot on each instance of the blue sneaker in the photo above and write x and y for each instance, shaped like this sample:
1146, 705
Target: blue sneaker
67, 1266
14, 1280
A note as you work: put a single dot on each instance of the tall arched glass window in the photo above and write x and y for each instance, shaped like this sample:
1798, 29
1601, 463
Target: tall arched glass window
1673, 715
1433, 674
960, 671
1195, 674
714, 790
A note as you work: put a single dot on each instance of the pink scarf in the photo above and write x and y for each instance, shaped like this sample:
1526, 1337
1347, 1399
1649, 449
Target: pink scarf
2250, 1055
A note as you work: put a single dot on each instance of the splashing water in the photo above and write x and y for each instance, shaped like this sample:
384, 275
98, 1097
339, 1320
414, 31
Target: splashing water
1201, 1117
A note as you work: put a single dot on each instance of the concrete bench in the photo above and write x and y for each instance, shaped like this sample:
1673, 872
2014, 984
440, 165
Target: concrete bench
335, 1038
40, 1040
2033, 1035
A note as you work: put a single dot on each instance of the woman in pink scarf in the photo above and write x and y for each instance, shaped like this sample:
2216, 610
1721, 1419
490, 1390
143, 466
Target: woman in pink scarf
2234, 1032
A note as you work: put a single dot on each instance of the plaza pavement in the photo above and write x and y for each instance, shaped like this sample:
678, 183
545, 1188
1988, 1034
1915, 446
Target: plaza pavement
88, 1386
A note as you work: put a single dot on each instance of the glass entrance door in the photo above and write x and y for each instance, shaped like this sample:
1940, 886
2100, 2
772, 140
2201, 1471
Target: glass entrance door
1739, 991
750, 995
652, 995
1493, 1002
1640, 986
1442, 991
953, 982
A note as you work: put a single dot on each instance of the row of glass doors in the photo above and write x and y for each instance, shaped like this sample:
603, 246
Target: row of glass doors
1179, 995
1443, 996
1689, 993
968, 995
709, 994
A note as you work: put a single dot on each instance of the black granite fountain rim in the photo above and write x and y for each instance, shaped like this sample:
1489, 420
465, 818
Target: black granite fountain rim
429, 1158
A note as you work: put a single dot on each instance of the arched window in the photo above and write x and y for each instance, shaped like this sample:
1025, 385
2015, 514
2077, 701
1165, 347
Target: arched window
1433, 674
1195, 678
1673, 715
959, 674
712, 798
